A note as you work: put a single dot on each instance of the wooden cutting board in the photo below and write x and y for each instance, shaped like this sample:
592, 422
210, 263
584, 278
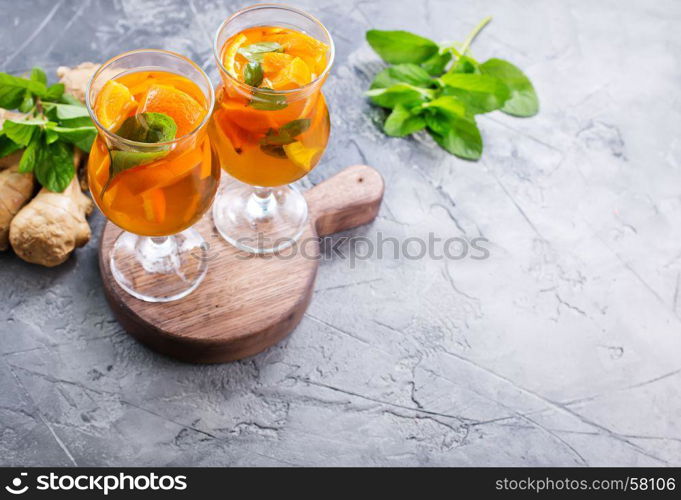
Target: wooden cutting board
246, 303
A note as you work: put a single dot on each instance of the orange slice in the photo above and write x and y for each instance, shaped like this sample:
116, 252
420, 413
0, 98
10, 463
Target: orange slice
274, 62
301, 156
293, 76
180, 106
154, 202
114, 104
248, 118
231, 52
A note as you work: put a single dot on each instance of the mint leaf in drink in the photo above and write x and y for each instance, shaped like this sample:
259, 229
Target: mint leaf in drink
402, 93
125, 160
273, 142
268, 102
523, 100
403, 122
148, 127
459, 136
255, 51
402, 73
253, 73
54, 167
274, 150
398, 47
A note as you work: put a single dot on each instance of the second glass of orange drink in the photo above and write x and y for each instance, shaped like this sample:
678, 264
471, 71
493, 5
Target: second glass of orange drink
152, 170
271, 123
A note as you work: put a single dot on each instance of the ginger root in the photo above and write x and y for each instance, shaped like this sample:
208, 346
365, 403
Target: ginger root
52, 225
15, 190
75, 80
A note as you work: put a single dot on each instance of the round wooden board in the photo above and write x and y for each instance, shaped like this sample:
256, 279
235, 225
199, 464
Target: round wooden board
246, 303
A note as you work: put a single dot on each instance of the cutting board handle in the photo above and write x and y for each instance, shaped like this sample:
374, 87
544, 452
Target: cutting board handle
348, 199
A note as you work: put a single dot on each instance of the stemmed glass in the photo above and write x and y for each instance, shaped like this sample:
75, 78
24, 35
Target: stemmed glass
154, 191
267, 139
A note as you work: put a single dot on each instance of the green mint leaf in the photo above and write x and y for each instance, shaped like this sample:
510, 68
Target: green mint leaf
12, 90
277, 151
65, 111
481, 93
125, 160
149, 128
253, 74
402, 93
81, 137
459, 136
50, 135
83, 121
465, 64
286, 134
523, 100
26, 103
398, 47
22, 132
476, 83
255, 51
54, 92
69, 99
296, 127
31, 154
403, 122
54, 168
268, 102
402, 73
38, 75
436, 64
7, 146
448, 105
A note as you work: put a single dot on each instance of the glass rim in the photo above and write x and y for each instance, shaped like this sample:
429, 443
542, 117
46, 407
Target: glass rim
218, 55
137, 144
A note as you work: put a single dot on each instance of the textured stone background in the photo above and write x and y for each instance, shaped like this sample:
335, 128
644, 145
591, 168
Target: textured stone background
562, 348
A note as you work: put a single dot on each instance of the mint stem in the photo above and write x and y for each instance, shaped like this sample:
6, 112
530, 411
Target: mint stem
473, 34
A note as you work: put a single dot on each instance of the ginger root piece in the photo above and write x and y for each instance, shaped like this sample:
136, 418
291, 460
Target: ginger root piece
15, 190
51, 226
76, 79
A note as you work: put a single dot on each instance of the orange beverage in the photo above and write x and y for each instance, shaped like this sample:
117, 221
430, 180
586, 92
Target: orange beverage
152, 187
271, 123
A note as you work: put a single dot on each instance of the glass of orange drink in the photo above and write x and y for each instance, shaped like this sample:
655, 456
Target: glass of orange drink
271, 124
152, 170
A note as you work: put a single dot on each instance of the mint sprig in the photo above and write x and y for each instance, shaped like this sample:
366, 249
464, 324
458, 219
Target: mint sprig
441, 87
149, 128
55, 122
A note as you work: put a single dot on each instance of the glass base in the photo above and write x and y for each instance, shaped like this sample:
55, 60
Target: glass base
159, 269
259, 220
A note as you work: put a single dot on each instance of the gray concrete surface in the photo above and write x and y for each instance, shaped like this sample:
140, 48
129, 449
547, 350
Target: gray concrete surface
561, 348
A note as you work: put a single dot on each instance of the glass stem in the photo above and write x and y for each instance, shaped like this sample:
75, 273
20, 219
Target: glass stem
261, 203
